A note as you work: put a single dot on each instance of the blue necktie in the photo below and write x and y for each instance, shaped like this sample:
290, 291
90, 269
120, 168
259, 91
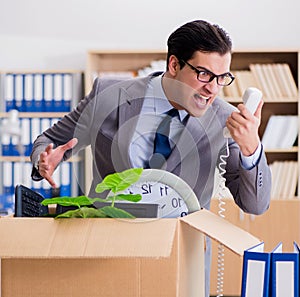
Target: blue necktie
162, 147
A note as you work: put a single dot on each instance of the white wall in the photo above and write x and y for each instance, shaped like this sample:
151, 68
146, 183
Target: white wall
56, 34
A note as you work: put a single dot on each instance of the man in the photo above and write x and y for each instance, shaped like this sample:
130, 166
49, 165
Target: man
119, 119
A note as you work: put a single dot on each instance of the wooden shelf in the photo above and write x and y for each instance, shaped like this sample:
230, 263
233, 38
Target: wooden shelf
35, 114
27, 159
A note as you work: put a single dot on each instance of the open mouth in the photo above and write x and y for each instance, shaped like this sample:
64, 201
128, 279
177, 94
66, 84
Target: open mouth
201, 100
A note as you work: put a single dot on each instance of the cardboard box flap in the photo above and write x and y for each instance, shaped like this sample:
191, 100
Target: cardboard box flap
219, 229
89, 238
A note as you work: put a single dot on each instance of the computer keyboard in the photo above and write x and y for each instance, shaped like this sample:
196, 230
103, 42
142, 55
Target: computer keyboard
28, 203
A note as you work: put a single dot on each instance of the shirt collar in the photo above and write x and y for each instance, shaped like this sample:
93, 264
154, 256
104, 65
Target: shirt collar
163, 105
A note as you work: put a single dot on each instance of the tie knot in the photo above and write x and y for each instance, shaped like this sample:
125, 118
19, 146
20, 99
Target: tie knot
173, 112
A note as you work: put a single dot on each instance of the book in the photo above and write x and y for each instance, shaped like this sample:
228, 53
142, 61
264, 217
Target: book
290, 79
281, 132
261, 79
275, 86
268, 81
284, 179
245, 79
285, 80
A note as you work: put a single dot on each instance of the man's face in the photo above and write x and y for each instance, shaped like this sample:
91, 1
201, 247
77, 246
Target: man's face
183, 88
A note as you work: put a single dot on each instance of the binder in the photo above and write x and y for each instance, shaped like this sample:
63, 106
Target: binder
45, 124
7, 197
8, 188
65, 188
5, 141
38, 93
9, 92
58, 92
274, 273
57, 179
35, 130
18, 171
256, 272
285, 272
48, 93
25, 137
37, 186
15, 145
46, 189
28, 93
67, 92
19, 95
27, 181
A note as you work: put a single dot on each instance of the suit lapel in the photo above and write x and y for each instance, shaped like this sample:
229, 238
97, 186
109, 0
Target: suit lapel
197, 129
131, 102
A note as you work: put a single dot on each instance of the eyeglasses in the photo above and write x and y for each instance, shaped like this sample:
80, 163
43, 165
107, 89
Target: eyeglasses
206, 76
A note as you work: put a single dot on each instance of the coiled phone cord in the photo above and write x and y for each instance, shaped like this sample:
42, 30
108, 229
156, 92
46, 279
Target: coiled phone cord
221, 212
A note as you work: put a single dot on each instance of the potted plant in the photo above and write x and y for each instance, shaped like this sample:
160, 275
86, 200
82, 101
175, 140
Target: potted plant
115, 183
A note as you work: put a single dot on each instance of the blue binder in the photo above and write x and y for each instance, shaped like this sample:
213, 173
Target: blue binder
274, 273
285, 272
28, 92
9, 96
38, 86
256, 272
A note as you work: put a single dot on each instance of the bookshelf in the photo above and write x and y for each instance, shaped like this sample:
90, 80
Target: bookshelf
41, 98
281, 104
118, 61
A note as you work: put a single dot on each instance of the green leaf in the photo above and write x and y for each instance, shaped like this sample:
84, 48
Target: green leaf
125, 197
69, 201
119, 181
114, 212
101, 200
83, 212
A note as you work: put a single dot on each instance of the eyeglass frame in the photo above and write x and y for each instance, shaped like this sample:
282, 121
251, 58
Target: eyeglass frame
212, 75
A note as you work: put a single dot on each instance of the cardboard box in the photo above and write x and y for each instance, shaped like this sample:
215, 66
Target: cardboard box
111, 257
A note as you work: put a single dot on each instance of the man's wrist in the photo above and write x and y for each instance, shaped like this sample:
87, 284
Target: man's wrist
248, 162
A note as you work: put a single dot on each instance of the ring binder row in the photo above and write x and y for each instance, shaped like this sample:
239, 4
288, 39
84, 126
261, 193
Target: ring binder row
66, 177
41, 92
34, 93
30, 129
270, 274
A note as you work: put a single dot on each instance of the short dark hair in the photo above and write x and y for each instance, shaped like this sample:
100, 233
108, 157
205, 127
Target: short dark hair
195, 36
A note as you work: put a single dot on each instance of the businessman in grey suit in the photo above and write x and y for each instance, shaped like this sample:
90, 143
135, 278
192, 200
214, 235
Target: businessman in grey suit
119, 119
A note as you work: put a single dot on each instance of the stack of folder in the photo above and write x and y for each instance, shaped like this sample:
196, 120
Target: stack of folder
270, 274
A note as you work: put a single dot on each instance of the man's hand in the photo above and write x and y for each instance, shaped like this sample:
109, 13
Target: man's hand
50, 158
243, 127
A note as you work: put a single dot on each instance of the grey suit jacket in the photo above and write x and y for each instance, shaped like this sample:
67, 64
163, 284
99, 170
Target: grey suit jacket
106, 120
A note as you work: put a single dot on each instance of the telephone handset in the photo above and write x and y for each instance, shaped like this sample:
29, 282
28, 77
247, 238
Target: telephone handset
251, 99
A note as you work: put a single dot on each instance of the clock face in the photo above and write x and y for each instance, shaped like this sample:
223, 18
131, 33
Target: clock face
174, 196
